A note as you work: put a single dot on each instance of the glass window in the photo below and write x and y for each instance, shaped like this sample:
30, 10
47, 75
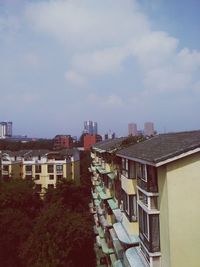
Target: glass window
6, 168
125, 165
37, 177
38, 168
51, 177
28, 168
50, 168
59, 168
141, 171
144, 222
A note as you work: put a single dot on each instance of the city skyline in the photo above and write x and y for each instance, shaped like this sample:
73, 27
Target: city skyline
110, 61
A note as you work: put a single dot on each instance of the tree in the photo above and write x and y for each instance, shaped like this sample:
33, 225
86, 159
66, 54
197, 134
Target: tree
60, 238
20, 194
19, 206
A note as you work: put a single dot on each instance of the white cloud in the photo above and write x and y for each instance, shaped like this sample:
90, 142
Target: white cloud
100, 62
110, 102
75, 78
107, 47
87, 23
99, 36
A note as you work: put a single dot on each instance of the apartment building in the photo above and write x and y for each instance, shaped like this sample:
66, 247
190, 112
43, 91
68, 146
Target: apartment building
44, 167
154, 208
62, 142
115, 226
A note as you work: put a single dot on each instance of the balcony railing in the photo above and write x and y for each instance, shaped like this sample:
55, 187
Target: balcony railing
128, 185
148, 185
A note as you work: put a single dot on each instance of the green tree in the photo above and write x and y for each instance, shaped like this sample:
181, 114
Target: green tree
60, 238
19, 206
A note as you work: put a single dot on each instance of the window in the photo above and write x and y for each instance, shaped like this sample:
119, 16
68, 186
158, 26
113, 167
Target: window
28, 168
50, 186
59, 168
51, 177
143, 198
37, 177
133, 211
50, 168
37, 168
132, 169
144, 222
126, 203
59, 177
6, 168
130, 206
141, 171
125, 167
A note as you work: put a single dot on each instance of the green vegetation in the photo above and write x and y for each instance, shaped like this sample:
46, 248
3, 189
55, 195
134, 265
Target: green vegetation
54, 232
18, 145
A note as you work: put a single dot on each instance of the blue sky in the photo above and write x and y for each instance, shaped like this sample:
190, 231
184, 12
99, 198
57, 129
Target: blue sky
111, 61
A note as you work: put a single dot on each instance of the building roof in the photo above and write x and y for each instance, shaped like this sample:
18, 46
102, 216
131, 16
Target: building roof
43, 153
110, 144
163, 147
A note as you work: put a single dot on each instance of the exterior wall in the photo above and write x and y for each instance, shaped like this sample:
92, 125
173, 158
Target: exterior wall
179, 194
88, 141
62, 141
76, 171
164, 217
16, 170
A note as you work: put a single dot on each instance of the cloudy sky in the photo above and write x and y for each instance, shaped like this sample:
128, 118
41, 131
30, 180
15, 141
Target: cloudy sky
111, 61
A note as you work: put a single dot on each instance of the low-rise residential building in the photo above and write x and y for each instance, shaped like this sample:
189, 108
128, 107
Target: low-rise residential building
44, 167
156, 215
116, 227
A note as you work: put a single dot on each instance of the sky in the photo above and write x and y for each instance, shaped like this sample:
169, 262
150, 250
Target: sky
112, 61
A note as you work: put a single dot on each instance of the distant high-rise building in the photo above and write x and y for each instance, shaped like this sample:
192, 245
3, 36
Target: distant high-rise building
132, 129
148, 128
95, 129
5, 129
90, 127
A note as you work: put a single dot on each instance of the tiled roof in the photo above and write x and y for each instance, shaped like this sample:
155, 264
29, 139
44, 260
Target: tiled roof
163, 146
109, 144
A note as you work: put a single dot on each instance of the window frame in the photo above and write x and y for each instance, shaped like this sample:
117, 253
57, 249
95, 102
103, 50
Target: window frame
141, 171
38, 170
49, 166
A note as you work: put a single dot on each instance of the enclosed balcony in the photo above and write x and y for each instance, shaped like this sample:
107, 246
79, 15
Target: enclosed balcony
128, 185
124, 237
147, 178
134, 258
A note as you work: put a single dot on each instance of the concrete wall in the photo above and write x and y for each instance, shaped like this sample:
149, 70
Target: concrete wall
180, 212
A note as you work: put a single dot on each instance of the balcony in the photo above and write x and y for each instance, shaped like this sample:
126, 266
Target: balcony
148, 186
133, 257
128, 185
5, 172
123, 236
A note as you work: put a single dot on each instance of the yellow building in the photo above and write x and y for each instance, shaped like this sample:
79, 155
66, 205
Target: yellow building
168, 196
45, 168
115, 220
